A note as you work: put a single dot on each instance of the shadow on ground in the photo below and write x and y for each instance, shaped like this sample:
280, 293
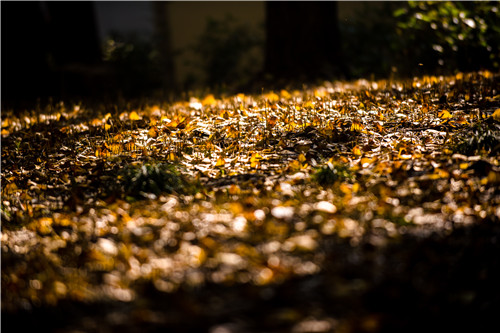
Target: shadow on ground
432, 283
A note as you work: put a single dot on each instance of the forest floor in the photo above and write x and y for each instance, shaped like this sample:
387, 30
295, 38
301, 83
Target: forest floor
348, 207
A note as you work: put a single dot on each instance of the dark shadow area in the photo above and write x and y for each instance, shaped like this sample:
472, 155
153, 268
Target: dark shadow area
414, 284
51, 50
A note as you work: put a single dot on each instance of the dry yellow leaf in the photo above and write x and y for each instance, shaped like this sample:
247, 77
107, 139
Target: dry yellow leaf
285, 94
356, 126
172, 156
153, 132
220, 162
444, 114
208, 100
496, 115
134, 116
356, 151
234, 189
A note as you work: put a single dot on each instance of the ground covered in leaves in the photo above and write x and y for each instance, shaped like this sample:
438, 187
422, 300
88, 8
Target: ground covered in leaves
348, 207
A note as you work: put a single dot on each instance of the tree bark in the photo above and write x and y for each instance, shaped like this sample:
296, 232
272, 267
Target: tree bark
163, 42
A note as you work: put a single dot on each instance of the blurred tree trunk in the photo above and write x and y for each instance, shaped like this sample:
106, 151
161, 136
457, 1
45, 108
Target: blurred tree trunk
24, 51
48, 50
164, 45
303, 40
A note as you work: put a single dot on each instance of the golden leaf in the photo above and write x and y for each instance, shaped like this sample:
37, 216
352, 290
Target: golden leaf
320, 93
234, 190
496, 115
96, 122
357, 126
116, 148
220, 162
232, 132
10, 188
272, 97
309, 104
285, 94
172, 156
256, 157
294, 165
134, 116
44, 225
380, 129
208, 100
130, 146
444, 114
356, 151
153, 132
345, 188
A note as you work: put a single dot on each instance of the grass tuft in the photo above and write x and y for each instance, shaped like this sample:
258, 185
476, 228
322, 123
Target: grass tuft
482, 138
331, 173
153, 179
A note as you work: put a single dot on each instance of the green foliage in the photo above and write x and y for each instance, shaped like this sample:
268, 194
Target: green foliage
331, 173
424, 37
483, 137
142, 181
462, 35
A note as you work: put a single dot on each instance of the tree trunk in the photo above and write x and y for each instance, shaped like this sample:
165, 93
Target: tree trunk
42, 45
164, 45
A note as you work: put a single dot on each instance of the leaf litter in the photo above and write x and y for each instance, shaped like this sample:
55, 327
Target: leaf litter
253, 191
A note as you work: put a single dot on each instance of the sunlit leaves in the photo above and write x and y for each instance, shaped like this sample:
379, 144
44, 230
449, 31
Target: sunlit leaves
153, 132
444, 114
357, 151
134, 116
496, 115
255, 160
242, 189
220, 162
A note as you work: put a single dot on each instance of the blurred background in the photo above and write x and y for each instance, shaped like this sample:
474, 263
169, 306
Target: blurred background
152, 49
